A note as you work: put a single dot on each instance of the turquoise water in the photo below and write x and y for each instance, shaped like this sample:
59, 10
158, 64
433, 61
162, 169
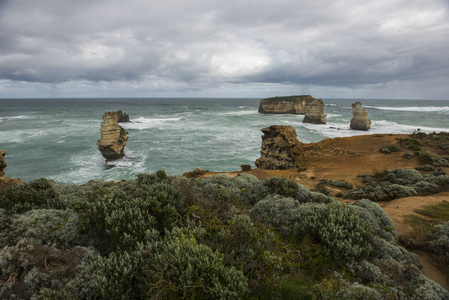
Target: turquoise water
56, 138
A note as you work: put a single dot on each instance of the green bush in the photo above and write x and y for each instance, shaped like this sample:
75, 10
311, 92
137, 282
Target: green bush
439, 243
340, 230
28, 267
52, 226
380, 223
177, 267
390, 148
114, 220
38, 193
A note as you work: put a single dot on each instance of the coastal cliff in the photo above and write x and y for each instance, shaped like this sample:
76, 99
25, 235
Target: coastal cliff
122, 116
285, 105
113, 137
279, 144
360, 120
2, 162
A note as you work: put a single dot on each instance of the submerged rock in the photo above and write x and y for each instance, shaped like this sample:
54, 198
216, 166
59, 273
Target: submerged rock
285, 105
360, 120
315, 112
122, 117
279, 146
113, 137
2, 162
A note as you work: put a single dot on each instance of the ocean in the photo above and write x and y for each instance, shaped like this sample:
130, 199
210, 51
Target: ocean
56, 138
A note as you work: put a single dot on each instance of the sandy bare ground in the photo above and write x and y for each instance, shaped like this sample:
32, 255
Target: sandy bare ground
399, 208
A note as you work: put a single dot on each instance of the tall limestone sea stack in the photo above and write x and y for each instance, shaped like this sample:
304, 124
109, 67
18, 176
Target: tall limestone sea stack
360, 120
315, 112
279, 146
2, 162
113, 137
285, 105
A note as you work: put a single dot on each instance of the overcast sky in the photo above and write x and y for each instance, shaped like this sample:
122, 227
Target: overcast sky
225, 48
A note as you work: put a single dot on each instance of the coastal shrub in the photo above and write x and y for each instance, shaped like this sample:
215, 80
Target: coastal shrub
359, 291
177, 267
340, 230
281, 186
439, 243
390, 148
28, 267
50, 226
6, 235
251, 248
380, 223
38, 193
338, 183
282, 213
114, 220
148, 179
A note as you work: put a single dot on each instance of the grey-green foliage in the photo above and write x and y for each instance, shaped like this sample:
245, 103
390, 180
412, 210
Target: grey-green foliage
358, 291
176, 267
34, 267
399, 183
54, 226
289, 188
439, 242
115, 220
282, 213
340, 230
38, 193
380, 223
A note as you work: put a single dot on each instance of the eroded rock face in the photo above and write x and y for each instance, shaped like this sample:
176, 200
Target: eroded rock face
113, 137
279, 146
2, 162
285, 105
122, 117
315, 112
360, 120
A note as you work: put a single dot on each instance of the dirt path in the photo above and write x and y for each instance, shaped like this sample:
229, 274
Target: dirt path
399, 208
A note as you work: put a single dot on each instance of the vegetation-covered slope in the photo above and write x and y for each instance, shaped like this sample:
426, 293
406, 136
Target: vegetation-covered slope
162, 237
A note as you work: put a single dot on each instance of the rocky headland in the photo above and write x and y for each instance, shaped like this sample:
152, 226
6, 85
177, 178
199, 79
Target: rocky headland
2, 162
314, 112
279, 146
360, 120
285, 104
113, 137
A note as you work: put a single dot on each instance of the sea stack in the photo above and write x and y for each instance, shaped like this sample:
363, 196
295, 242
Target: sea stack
279, 146
113, 137
122, 117
315, 112
2, 162
285, 104
360, 120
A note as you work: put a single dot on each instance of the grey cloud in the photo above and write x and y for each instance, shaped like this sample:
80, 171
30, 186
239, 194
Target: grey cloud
208, 44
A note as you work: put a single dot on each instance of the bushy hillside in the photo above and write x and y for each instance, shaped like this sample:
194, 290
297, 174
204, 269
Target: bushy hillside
163, 237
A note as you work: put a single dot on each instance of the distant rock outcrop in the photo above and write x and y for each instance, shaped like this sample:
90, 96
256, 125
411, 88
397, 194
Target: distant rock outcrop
315, 112
2, 162
122, 117
279, 146
285, 105
113, 137
360, 120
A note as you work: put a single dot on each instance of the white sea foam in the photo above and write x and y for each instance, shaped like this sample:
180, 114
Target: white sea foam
145, 123
411, 108
330, 104
332, 116
238, 113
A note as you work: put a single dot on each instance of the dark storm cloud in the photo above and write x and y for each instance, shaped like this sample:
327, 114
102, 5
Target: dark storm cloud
205, 45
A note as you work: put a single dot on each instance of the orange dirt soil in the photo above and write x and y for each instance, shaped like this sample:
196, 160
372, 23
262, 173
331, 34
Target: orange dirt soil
345, 158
